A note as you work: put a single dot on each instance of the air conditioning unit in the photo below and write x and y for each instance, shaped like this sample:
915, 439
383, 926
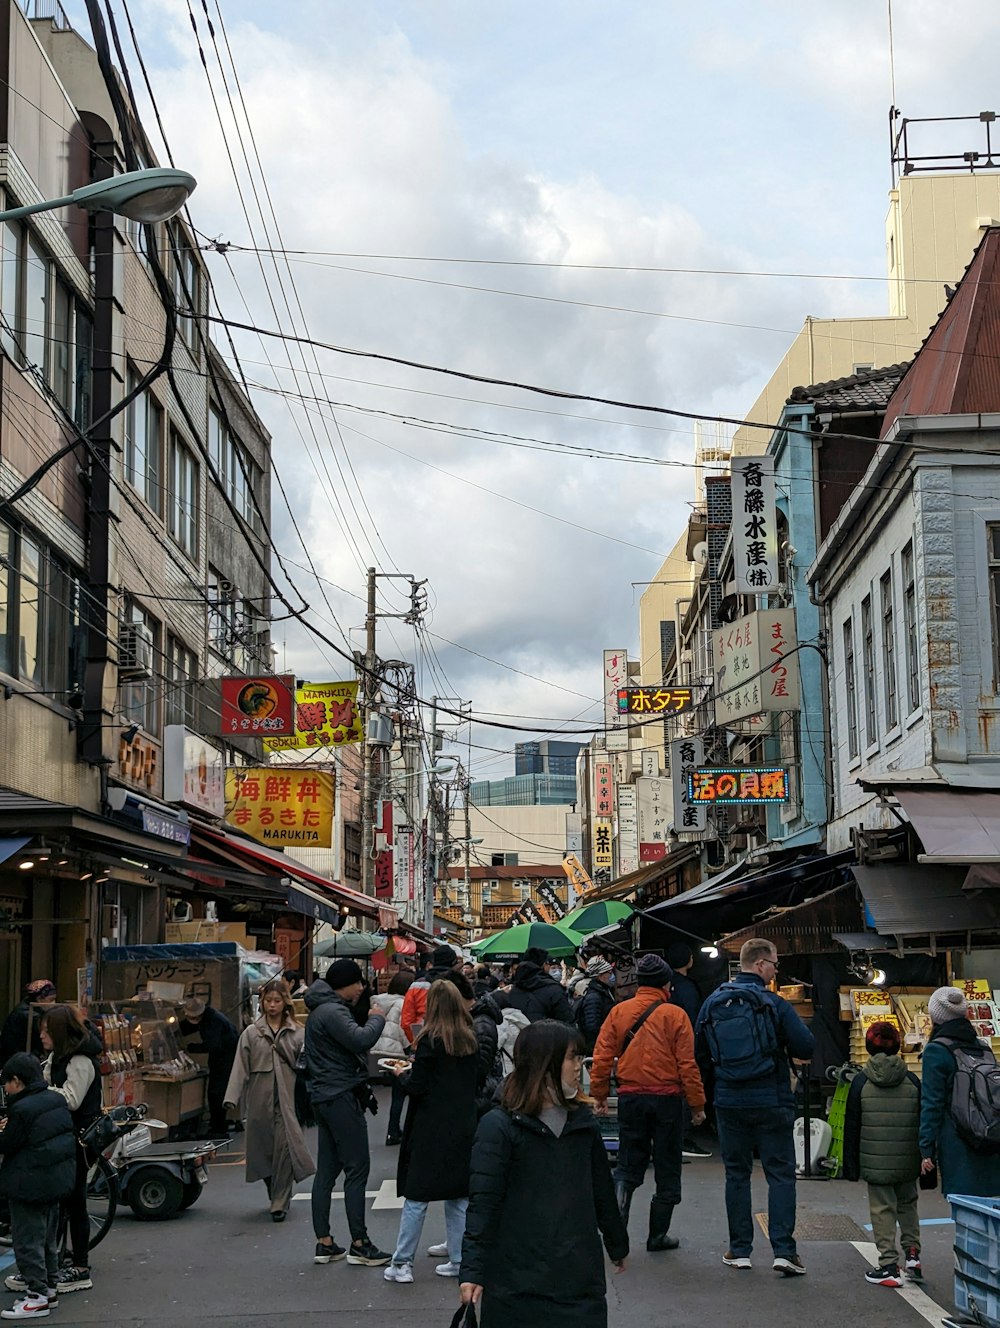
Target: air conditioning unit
135, 650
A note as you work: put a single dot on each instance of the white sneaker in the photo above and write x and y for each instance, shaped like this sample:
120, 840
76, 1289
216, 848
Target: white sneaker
448, 1269
436, 1251
31, 1307
399, 1272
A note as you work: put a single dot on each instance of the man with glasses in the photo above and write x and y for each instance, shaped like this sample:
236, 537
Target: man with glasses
749, 1033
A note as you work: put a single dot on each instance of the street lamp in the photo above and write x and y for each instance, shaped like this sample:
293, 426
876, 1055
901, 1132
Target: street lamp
144, 196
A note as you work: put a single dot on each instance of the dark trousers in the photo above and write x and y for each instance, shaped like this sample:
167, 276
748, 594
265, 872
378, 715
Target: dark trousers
396, 1104
651, 1122
342, 1147
34, 1229
769, 1129
217, 1123
75, 1210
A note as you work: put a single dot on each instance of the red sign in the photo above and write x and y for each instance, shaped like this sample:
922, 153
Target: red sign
383, 857
261, 706
652, 852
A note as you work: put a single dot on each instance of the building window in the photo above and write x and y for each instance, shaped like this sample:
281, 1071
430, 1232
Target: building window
868, 670
40, 624
181, 669
993, 548
890, 683
34, 312
221, 613
144, 445
851, 686
139, 697
187, 284
182, 515
910, 630
239, 476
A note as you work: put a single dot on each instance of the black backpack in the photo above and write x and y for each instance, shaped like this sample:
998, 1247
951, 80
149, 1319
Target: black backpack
975, 1097
742, 1033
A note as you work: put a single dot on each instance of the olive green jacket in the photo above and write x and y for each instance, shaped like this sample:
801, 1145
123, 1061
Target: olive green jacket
882, 1123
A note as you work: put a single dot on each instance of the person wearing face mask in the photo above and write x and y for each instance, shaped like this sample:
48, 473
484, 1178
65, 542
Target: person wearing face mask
597, 1001
263, 1078
540, 1265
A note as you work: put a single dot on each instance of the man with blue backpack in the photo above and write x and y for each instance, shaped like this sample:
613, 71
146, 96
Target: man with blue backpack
749, 1033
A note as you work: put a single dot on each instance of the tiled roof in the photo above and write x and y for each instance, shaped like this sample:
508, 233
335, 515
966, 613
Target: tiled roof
868, 389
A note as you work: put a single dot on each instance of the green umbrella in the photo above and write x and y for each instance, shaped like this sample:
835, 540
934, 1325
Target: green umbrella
592, 917
350, 944
557, 940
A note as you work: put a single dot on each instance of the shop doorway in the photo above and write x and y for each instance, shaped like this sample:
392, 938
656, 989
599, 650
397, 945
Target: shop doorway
10, 972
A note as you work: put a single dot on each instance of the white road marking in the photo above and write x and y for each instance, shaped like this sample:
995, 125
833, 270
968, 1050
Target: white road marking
911, 1292
384, 1197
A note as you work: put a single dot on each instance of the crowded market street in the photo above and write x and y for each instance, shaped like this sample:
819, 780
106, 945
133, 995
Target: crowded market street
223, 1262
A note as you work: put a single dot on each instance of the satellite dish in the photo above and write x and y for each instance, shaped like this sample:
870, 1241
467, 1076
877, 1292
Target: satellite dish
701, 552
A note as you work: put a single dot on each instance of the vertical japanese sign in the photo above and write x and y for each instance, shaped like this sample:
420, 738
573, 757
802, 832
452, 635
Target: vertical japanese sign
326, 715
686, 754
604, 789
615, 723
279, 807
601, 850
405, 864
653, 805
383, 856
755, 527
650, 763
628, 829
574, 832
756, 666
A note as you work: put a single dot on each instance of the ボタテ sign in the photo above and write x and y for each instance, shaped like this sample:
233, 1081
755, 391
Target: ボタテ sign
654, 700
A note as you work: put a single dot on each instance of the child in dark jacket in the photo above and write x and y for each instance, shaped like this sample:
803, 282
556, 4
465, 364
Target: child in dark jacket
38, 1148
880, 1146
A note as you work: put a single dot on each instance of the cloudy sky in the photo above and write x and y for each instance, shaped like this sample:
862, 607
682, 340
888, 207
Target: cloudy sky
486, 189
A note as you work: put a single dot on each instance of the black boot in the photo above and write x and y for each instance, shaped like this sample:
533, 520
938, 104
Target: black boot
660, 1213
623, 1193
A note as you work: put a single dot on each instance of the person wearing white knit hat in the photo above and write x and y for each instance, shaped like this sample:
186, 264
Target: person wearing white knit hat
962, 1169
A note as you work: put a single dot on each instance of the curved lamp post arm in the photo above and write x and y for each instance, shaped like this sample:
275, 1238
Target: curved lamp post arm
144, 196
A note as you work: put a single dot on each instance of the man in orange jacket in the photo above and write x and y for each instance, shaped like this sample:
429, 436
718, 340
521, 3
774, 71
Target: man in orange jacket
654, 1045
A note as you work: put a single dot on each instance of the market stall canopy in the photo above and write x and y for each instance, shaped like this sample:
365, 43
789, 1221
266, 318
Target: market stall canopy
808, 928
555, 938
954, 825
351, 944
910, 899
592, 917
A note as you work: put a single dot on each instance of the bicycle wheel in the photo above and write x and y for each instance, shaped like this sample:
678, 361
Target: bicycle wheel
102, 1198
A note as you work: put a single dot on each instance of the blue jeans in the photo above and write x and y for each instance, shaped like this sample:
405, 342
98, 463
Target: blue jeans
411, 1224
770, 1130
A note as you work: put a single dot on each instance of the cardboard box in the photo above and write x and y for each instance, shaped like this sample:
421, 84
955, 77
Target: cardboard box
201, 930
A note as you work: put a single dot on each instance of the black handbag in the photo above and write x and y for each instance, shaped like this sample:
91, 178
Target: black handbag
465, 1317
100, 1134
304, 1113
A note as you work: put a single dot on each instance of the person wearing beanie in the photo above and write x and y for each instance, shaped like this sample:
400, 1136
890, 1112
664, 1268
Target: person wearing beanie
443, 960
14, 1034
684, 992
654, 1046
597, 1001
336, 1056
880, 1147
749, 1034
962, 1170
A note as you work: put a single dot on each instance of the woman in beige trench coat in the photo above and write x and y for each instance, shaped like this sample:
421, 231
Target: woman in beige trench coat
263, 1080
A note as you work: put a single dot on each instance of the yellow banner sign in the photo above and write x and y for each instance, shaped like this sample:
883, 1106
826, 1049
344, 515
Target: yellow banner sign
326, 715
280, 807
578, 877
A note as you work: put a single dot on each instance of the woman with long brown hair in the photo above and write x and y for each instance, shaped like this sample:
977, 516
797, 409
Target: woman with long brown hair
72, 1068
440, 1126
263, 1080
538, 1262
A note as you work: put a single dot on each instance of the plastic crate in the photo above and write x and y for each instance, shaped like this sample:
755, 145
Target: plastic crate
977, 1266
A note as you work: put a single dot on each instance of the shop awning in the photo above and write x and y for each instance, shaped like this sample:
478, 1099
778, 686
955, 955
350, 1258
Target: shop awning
8, 847
734, 884
910, 899
306, 901
331, 893
625, 887
954, 825
808, 928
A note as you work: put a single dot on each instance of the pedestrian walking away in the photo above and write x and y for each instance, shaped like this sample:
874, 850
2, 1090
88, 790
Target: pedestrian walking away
394, 1045
72, 1068
749, 1034
38, 1153
336, 1060
961, 1168
596, 1003
653, 1043
535, 993
541, 1196
684, 993
262, 1086
440, 1125
881, 1147
207, 1030
443, 960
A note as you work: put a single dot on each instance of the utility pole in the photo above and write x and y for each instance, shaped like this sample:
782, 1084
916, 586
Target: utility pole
466, 884
369, 686
433, 823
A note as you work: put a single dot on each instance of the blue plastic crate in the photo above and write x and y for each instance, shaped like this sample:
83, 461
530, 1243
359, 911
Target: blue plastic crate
977, 1227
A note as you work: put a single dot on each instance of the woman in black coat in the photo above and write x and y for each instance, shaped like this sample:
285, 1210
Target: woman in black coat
440, 1125
537, 1262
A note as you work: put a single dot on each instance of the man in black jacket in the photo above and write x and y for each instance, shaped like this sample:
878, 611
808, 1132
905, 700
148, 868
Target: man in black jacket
205, 1029
534, 993
684, 992
336, 1055
14, 1034
597, 1001
39, 1164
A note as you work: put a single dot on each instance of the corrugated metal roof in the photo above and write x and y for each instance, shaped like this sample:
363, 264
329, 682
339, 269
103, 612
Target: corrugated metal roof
868, 389
957, 369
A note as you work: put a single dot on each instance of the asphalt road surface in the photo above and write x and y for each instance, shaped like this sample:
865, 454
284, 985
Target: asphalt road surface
224, 1262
